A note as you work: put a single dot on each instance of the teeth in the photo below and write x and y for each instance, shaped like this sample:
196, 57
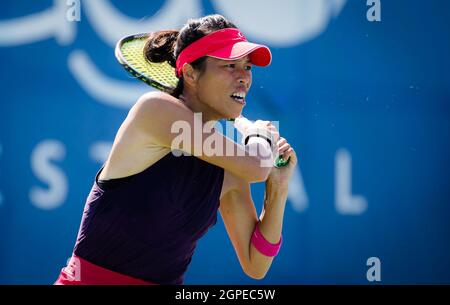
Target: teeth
239, 94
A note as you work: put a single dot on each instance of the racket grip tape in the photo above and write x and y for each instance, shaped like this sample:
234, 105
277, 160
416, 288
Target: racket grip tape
280, 162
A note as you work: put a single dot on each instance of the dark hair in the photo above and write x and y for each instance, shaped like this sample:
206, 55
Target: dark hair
167, 45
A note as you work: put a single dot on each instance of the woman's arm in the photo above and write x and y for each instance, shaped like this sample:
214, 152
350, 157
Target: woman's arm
154, 115
239, 215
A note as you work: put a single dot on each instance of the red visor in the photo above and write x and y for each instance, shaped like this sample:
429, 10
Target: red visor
227, 44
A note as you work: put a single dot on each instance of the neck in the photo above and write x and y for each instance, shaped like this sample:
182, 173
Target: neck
193, 103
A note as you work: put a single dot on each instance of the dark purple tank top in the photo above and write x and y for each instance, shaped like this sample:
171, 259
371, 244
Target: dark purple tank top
147, 225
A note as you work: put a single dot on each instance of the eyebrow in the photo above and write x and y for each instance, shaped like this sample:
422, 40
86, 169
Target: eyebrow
247, 60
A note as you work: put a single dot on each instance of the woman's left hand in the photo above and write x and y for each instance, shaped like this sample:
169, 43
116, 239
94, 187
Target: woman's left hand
280, 176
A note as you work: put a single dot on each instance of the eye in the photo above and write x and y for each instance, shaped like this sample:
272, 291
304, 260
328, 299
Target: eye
233, 66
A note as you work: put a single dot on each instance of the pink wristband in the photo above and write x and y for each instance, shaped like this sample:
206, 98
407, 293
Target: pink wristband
262, 245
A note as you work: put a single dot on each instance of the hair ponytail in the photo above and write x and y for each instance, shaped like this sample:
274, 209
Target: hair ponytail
160, 47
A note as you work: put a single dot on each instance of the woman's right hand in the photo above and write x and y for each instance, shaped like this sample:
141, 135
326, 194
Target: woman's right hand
244, 126
270, 128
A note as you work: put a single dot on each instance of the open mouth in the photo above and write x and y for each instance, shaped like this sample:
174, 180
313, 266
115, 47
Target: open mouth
239, 97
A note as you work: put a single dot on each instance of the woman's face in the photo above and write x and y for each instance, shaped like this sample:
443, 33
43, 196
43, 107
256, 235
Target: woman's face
223, 85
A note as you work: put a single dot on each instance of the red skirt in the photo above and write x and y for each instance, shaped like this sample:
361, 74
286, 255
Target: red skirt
82, 272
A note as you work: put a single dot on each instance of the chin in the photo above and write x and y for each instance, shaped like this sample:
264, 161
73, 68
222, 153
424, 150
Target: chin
233, 115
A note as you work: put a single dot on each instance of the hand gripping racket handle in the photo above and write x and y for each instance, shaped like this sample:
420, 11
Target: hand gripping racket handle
239, 124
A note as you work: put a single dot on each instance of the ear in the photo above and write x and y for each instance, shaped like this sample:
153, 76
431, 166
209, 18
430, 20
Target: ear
190, 75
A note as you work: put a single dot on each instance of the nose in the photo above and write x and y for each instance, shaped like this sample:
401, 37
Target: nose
244, 77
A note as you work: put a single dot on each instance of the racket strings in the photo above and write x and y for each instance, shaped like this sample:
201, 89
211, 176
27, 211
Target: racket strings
162, 73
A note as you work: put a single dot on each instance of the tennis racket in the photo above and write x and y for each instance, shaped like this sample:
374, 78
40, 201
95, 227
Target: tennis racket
130, 54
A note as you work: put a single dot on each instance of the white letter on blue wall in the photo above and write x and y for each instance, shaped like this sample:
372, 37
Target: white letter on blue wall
346, 202
73, 10
374, 12
374, 272
41, 164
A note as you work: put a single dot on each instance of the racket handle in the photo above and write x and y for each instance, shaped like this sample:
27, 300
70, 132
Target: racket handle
280, 162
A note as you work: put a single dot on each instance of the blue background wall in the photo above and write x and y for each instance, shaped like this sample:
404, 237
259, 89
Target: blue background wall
365, 104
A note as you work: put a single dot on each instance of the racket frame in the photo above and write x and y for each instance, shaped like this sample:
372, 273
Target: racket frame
134, 72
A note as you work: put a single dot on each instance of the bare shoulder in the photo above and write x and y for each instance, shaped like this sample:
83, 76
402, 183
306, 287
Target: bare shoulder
155, 101
138, 143
153, 116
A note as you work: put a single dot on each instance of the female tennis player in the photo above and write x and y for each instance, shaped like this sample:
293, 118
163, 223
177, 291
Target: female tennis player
148, 207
